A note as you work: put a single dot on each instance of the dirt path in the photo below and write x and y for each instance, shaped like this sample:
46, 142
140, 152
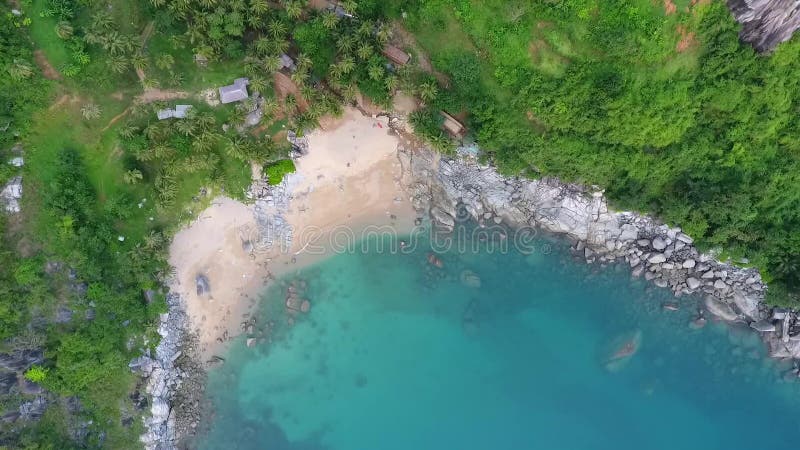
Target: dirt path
158, 95
48, 70
406, 39
116, 118
61, 100
146, 33
285, 86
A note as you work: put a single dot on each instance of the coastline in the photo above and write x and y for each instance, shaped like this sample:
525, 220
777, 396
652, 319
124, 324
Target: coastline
376, 192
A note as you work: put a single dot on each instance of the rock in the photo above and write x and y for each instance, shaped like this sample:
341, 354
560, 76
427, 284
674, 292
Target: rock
10, 417
7, 381
766, 23
203, 286
684, 238
719, 284
688, 264
11, 194
17, 161
629, 233
693, 283
442, 218
698, 323
643, 243
28, 387
21, 361
149, 296
34, 409
747, 304
251, 342
763, 326
720, 309
470, 279
657, 258
662, 283
637, 272
659, 244
708, 275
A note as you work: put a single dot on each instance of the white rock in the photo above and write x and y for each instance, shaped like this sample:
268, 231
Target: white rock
659, 243
720, 309
693, 283
657, 258
688, 264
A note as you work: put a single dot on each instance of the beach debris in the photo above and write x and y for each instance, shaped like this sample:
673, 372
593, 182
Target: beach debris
470, 279
203, 285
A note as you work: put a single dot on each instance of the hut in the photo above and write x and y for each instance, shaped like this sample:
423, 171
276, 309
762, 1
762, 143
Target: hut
396, 55
456, 129
235, 92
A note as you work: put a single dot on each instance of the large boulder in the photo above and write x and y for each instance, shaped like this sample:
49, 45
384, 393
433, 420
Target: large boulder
766, 23
747, 304
720, 309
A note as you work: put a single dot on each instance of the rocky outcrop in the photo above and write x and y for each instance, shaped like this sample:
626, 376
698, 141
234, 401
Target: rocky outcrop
662, 254
766, 23
163, 376
11, 194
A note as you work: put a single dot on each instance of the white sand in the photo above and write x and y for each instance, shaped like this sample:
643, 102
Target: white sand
350, 178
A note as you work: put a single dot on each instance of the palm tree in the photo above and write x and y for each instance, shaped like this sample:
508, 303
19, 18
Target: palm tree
117, 64
185, 127
262, 45
20, 69
364, 51
204, 142
391, 82
132, 176
329, 20
139, 61
290, 104
150, 83
277, 29
375, 72
165, 61
350, 6
428, 91
300, 76
64, 30
176, 78
90, 111
304, 62
294, 9
128, 131
237, 148
259, 7
347, 65
345, 44
384, 34
280, 46
258, 84
101, 21
272, 64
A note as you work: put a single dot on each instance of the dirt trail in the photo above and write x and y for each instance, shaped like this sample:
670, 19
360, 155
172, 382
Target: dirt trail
146, 33
158, 95
406, 39
48, 70
116, 118
285, 86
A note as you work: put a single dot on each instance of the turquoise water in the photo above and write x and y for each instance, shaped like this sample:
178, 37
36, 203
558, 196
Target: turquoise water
398, 354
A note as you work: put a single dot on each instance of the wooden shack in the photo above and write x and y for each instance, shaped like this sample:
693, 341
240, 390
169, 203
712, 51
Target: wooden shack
396, 55
456, 129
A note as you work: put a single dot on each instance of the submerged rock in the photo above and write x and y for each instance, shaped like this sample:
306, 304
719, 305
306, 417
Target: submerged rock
620, 350
470, 279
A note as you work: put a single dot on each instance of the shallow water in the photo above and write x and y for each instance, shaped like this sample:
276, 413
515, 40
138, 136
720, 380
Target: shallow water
398, 354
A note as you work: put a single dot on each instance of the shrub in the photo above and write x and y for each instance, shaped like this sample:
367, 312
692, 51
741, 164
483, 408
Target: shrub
277, 170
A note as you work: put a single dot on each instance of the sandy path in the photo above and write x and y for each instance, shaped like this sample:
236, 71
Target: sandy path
47, 69
158, 95
350, 178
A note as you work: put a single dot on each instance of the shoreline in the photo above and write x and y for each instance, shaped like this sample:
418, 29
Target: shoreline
441, 188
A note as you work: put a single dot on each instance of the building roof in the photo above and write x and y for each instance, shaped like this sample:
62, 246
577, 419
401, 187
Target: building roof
234, 92
453, 126
180, 112
396, 55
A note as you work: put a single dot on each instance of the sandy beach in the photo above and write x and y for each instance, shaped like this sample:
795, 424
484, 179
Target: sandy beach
350, 179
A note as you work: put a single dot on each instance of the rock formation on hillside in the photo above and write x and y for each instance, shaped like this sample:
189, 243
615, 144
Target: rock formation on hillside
766, 23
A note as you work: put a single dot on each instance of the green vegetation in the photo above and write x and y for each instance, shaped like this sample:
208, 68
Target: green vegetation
669, 112
276, 171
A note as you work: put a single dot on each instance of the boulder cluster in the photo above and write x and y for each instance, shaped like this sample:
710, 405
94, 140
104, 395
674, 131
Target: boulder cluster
451, 188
